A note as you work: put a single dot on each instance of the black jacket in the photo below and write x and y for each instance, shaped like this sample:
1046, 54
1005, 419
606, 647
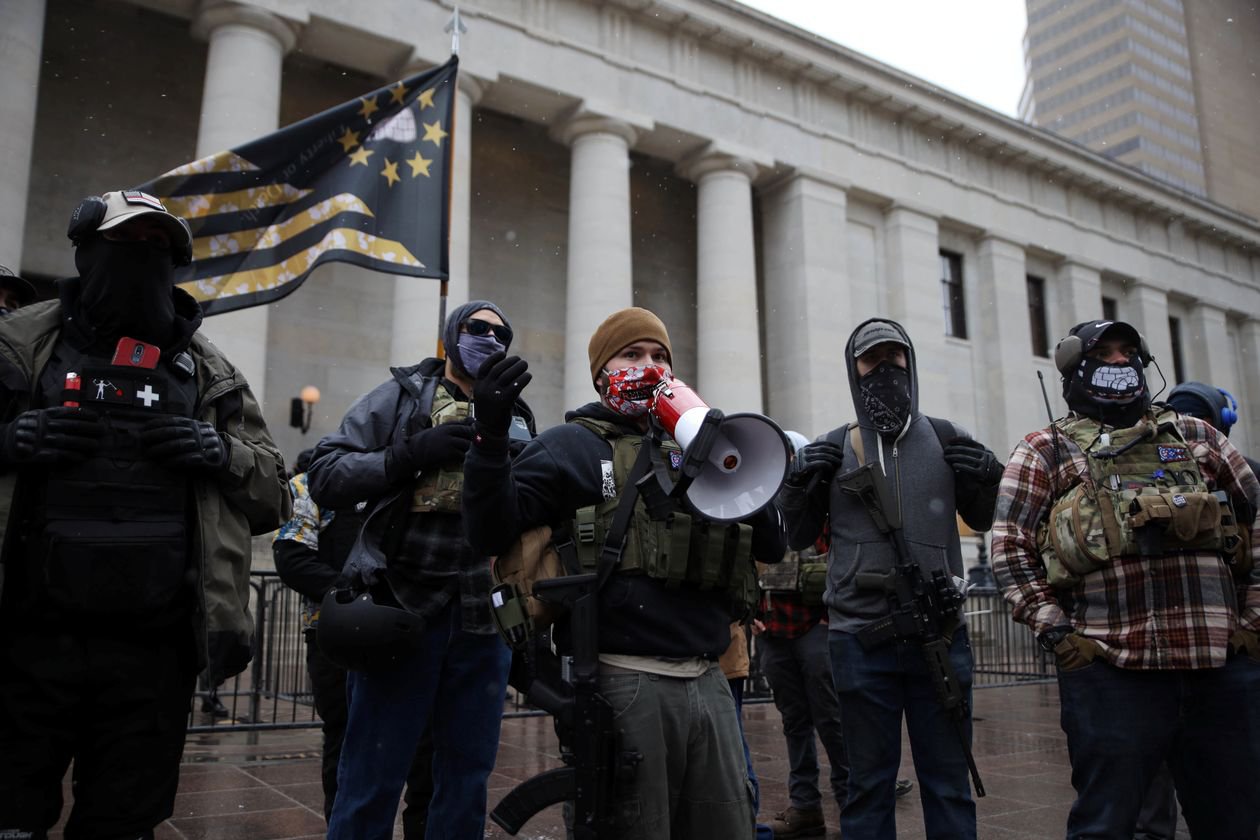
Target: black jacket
559, 472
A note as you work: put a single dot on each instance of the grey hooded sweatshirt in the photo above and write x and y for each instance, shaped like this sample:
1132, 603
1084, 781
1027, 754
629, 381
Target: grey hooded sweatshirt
921, 484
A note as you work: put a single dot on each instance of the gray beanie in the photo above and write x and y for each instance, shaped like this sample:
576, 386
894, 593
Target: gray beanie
454, 320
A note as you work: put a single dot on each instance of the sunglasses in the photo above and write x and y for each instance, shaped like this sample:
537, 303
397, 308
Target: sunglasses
475, 326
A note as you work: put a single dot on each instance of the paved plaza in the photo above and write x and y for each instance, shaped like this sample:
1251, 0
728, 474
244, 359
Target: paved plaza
265, 785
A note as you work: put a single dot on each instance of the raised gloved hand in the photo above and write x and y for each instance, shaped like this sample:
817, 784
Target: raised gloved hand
499, 383
972, 462
820, 459
184, 443
50, 435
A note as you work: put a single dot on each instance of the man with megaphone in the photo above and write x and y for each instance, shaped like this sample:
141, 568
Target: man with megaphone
669, 562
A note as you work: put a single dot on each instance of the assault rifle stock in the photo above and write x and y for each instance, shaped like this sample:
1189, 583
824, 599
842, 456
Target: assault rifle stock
596, 760
920, 607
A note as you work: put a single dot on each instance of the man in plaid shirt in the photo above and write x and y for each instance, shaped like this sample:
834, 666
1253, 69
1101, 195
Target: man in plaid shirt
1156, 647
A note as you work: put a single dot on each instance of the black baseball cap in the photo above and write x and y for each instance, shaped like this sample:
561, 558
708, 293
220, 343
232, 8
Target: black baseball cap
1092, 332
22, 288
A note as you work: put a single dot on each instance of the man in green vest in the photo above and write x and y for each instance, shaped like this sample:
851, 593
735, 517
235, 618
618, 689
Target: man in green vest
664, 609
1118, 540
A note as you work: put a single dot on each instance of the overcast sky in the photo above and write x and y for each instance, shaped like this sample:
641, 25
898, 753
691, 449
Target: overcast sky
973, 47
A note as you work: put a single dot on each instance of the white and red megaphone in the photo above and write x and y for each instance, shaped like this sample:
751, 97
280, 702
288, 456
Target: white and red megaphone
745, 458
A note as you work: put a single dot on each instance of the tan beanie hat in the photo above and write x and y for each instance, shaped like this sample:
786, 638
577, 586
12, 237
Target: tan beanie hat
622, 329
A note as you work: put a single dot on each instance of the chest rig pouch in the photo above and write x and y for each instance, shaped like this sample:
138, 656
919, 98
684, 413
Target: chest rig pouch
664, 540
802, 572
1143, 495
438, 490
110, 534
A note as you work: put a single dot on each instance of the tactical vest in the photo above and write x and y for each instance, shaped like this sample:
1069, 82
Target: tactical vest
438, 490
679, 549
1147, 501
108, 535
801, 572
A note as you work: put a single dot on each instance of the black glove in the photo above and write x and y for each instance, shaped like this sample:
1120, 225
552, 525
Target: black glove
819, 459
49, 435
499, 382
444, 444
184, 443
972, 462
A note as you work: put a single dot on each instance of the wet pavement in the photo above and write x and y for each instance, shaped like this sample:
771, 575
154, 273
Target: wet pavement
265, 785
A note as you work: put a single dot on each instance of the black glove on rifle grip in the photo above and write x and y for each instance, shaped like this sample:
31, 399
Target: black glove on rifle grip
973, 462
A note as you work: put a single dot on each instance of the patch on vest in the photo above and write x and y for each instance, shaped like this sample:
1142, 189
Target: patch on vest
675, 460
1168, 454
609, 488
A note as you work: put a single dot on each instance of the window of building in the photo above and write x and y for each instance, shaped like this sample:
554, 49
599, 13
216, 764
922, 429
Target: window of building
952, 295
1037, 329
1109, 308
1174, 335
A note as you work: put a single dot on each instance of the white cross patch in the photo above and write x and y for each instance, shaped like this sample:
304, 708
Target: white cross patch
148, 395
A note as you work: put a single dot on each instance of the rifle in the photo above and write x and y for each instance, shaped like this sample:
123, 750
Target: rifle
920, 607
596, 760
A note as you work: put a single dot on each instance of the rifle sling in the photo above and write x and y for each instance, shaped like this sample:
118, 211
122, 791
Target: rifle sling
614, 542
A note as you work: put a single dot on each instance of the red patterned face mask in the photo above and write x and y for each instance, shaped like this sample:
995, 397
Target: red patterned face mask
630, 390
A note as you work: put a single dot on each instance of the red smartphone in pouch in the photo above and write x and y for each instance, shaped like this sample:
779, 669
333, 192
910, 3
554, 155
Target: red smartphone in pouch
133, 353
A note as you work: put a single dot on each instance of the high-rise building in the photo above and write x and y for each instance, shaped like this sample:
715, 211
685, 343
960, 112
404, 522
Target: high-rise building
1164, 86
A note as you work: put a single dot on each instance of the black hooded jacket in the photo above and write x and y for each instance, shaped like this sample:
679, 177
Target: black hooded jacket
560, 472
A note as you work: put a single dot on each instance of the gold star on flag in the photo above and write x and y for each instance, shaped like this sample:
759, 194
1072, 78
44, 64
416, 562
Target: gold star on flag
348, 140
369, 107
433, 133
397, 93
390, 172
360, 156
419, 166
425, 99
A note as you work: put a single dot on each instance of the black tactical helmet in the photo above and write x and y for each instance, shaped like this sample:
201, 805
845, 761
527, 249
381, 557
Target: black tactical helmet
359, 634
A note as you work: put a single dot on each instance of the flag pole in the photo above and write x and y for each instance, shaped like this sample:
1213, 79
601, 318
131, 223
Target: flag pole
455, 27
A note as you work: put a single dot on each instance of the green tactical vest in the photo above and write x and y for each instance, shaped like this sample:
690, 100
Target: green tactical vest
1151, 500
438, 490
681, 549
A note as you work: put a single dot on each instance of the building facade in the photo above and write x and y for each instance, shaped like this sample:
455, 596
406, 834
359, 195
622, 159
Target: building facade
761, 189
1165, 86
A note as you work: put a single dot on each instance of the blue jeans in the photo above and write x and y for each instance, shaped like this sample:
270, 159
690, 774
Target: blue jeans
1121, 725
456, 681
876, 688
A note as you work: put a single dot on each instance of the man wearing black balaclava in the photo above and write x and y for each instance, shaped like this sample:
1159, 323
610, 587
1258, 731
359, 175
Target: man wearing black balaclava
1122, 539
134, 467
401, 447
934, 472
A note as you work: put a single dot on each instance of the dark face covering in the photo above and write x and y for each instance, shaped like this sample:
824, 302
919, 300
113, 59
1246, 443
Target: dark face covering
1115, 394
126, 290
886, 397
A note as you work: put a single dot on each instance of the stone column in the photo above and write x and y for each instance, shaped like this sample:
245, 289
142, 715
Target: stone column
728, 346
1079, 297
804, 237
1208, 351
240, 102
599, 273
21, 42
1146, 308
1007, 407
417, 300
1246, 434
914, 297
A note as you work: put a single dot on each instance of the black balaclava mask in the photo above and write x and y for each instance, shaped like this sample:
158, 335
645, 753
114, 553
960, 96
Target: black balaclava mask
467, 352
886, 397
1113, 393
127, 289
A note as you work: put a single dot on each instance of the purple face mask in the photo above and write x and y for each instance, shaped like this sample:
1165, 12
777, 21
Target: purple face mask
475, 349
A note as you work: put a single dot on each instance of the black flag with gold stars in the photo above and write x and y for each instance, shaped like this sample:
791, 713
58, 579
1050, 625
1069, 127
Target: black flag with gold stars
366, 182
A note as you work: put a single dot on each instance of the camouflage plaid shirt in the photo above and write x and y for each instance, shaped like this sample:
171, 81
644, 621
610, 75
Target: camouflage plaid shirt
1172, 611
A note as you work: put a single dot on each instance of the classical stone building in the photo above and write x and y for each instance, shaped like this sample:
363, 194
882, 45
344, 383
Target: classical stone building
762, 189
